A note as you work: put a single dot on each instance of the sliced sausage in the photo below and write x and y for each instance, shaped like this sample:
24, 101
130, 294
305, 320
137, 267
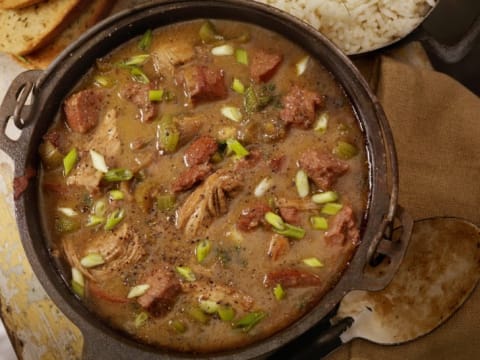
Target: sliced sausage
343, 228
263, 64
252, 217
322, 168
82, 109
299, 107
191, 176
164, 290
200, 151
202, 83
291, 278
277, 163
20, 183
137, 94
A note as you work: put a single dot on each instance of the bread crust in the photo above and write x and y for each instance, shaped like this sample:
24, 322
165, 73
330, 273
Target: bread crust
17, 4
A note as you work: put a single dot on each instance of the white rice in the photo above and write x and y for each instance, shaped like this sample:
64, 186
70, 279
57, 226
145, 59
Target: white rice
357, 26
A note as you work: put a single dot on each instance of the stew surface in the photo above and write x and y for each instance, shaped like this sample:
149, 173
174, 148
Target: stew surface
204, 185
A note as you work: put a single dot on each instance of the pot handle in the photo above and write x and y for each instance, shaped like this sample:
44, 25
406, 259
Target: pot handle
393, 248
15, 115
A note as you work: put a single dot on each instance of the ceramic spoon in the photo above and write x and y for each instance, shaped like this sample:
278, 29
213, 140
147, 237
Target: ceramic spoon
440, 270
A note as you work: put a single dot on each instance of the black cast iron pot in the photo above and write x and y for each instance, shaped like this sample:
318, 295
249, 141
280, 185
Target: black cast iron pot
47, 90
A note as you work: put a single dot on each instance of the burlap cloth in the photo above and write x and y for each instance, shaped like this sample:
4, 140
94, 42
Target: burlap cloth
436, 126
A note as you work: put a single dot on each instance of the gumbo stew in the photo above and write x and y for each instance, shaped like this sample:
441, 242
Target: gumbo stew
204, 185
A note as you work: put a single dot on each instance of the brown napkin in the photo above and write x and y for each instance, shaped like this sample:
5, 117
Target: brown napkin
436, 126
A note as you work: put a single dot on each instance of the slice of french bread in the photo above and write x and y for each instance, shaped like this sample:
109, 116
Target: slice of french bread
87, 17
17, 4
24, 30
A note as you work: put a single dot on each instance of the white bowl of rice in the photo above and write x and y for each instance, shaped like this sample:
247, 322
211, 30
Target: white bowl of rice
358, 26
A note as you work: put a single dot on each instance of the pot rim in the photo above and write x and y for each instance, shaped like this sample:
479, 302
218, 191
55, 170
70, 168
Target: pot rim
98, 42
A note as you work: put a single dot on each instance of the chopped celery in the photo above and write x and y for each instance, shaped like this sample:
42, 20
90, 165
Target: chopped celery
291, 231
313, 262
155, 95
275, 220
319, 222
167, 134
50, 155
98, 161
141, 319
114, 219
331, 208
226, 313
257, 98
279, 292
222, 50
247, 322
119, 174
92, 260
186, 273
78, 289
138, 290
197, 314
77, 276
178, 326
241, 56
65, 225
234, 145
238, 86
203, 249
231, 112
116, 195
69, 161
345, 150
301, 182
325, 197
146, 40
166, 202
99, 208
208, 33
301, 65
94, 220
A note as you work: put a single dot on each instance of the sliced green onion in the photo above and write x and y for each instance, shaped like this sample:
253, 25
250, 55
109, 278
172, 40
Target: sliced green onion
186, 273
168, 135
99, 208
92, 260
331, 208
234, 145
279, 292
301, 182
138, 290
178, 326
222, 50
203, 249
166, 202
114, 219
98, 161
119, 174
138, 75
275, 220
155, 95
69, 161
291, 231
301, 65
345, 150
312, 262
231, 112
116, 195
208, 33
141, 319
146, 40
321, 124
67, 211
238, 86
319, 222
78, 282
103, 81
136, 60
226, 313
247, 322
263, 186
325, 197
197, 314
208, 306
241, 56
65, 225
94, 220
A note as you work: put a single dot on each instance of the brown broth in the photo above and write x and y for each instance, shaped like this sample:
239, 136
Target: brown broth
238, 259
